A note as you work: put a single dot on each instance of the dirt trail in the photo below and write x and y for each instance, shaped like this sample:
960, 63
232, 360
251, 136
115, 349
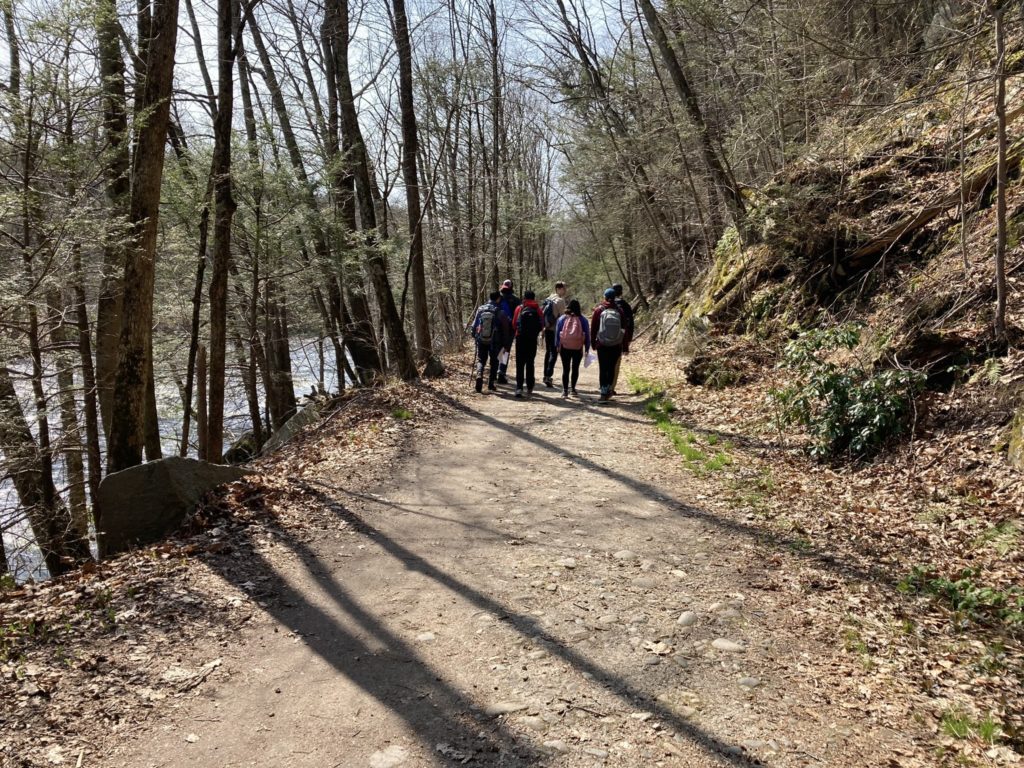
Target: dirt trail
532, 558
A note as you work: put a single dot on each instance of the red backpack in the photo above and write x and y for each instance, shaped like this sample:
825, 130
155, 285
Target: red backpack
572, 333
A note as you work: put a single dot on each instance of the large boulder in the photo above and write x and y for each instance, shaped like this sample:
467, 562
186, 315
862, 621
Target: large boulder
143, 504
308, 415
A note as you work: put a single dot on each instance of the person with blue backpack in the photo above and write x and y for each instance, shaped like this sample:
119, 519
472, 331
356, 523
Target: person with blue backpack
508, 302
527, 324
609, 340
572, 339
492, 333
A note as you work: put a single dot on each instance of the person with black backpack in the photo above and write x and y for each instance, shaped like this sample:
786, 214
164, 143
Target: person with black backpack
627, 326
491, 332
572, 339
552, 308
527, 324
609, 334
508, 302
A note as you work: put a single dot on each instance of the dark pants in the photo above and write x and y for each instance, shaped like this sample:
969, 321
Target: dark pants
550, 354
484, 353
526, 351
607, 360
570, 359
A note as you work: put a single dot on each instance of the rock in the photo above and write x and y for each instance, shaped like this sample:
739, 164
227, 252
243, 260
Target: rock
567, 562
556, 746
716, 607
600, 754
434, 369
191, 738
242, 450
535, 723
504, 708
308, 415
535, 655
730, 613
729, 646
608, 618
426, 637
625, 555
687, 619
749, 682
645, 582
1015, 450
391, 757
144, 504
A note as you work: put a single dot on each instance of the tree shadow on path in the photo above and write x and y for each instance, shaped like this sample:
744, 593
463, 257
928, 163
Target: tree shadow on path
526, 626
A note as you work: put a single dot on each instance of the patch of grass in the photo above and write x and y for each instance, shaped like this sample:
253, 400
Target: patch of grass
969, 600
961, 725
402, 414
1002, 537
7, 583
659, 408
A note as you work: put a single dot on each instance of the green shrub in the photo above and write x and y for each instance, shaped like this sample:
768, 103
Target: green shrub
847, 407
967, 598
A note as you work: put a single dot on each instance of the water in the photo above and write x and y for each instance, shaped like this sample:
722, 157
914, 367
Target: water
24, 557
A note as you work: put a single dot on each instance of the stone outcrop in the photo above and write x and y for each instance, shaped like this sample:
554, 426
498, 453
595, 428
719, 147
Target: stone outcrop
144, 504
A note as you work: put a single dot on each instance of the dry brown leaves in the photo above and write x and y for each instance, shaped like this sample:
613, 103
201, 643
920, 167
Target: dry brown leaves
844, 540
88, 657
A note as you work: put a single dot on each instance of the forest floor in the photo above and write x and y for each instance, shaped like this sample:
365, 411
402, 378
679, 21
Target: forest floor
450, 578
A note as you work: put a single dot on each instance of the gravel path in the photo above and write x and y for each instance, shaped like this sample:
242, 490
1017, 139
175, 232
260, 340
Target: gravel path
536, 584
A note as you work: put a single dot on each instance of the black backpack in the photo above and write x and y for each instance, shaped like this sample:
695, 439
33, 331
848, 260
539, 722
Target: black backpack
529, 322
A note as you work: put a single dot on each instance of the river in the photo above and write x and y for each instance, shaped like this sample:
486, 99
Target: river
23, 555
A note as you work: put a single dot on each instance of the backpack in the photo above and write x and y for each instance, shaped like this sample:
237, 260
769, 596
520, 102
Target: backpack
609, 332
485, 323
549, 314
529, 322
572, 333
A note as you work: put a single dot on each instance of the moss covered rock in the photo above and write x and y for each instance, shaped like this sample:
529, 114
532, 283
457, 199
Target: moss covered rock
1015, 451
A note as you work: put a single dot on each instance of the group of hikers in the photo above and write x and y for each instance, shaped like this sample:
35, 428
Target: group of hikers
505, 321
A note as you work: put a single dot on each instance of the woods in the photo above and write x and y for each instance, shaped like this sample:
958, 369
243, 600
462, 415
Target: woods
208, 210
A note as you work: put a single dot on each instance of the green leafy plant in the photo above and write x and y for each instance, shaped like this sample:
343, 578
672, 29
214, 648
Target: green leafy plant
961, 725
402, 414
967, 598
847, 407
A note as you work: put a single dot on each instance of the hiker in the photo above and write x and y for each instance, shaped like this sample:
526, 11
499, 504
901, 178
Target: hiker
527, 324
627, 328
553, 308
609, 336
508, 302
492, 331
572, 339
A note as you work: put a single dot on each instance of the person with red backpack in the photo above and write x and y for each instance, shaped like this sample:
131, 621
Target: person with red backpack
572, 340
527, 323
609, 340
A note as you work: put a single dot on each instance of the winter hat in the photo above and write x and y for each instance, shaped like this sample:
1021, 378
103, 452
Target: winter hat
617, 288
529, 295
609, 294
507, 284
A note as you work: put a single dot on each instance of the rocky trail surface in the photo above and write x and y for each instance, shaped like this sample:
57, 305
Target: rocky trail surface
533, 583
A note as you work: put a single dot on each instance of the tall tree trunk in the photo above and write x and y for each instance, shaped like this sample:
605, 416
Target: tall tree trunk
713, 161
90, 397
376, 265
159, 28
118, 192
224, 210
410, 176
1001, 170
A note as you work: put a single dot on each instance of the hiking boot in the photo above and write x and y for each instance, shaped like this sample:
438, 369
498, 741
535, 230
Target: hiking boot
565, 393
519, 392
573, 391
549, 383
491, 387
529, 390
502, 379
604, 398
479, 386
